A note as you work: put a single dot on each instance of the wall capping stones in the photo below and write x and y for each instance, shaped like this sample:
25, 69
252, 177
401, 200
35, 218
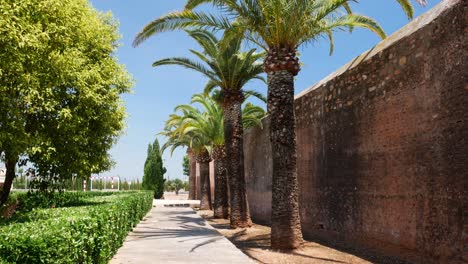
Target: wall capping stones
402, 33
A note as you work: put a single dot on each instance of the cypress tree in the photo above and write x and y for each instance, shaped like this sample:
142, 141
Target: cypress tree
153, 178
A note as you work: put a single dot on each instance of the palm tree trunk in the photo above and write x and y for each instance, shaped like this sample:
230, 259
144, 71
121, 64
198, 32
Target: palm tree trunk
205, 199
10, 164
192, 176
233, 134
221, 202
285, 220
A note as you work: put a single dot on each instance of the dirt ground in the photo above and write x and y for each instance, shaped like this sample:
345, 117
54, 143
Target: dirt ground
255, 242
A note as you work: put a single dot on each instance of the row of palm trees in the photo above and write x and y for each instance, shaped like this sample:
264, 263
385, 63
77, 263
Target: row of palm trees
200, 128
227, 69
279, 28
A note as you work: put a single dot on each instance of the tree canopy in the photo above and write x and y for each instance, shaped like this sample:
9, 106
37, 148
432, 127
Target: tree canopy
186, 165
60, 86
153, 178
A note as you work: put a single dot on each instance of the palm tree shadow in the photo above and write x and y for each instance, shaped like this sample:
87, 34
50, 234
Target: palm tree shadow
184, 220
207, 235
206, 243
161, 233
317, 258
221, 226
261, 242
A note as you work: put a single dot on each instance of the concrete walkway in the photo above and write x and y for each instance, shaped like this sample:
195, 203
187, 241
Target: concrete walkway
176, 235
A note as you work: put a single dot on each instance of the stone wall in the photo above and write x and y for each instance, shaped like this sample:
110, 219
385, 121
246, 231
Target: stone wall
382, 146
258, 170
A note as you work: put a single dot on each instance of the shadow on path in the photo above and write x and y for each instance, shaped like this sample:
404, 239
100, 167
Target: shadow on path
176, 235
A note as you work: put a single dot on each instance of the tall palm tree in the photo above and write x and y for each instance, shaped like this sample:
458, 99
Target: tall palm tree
192, 176
229, 69
180, 132
210, 123
280, 27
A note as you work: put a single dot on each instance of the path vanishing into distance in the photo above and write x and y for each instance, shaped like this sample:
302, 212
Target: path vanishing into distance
175, 234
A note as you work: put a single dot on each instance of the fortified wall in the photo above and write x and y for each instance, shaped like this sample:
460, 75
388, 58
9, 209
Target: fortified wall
382, 146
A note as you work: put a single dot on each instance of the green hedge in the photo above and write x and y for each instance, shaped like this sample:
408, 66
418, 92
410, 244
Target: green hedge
89, 230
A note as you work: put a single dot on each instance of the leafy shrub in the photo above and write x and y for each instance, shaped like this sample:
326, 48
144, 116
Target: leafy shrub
56, 199
90, 231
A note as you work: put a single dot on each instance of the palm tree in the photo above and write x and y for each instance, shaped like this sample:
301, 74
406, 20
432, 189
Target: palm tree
229, 69
180, 132
252, 115
210, 123
192, 175
280, 27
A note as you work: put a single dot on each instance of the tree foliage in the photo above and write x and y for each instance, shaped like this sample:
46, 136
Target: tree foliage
60, 86
186, 165
225, 66
174, 185
202, 128
270, 23
153, 178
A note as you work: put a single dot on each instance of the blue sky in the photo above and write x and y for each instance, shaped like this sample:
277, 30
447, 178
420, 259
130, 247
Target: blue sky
158, 90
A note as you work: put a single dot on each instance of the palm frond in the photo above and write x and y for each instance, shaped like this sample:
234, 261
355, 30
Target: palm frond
187, 63
255, 94
252, 116
407, 7
186, 19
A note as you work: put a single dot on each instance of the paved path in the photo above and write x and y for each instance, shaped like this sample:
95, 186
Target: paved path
176, 235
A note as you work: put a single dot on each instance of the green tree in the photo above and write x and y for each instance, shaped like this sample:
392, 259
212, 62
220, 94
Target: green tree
175, 140
153, 178
181, 131
178, 185
191, 182
208, 124
228, 68
186, 186
60, 87
280, 27
124, 186
174, 186
186, 165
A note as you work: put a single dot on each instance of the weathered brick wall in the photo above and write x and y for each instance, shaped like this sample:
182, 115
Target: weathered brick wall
258, 169
382, 145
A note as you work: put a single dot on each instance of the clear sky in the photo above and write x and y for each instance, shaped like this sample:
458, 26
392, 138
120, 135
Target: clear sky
158, 90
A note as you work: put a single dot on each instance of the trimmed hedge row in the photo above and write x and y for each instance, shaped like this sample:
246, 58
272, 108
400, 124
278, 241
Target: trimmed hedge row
89, 231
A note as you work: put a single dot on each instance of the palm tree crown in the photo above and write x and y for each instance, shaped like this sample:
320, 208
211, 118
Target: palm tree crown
203, 126
204, 130
278, 26
226, 66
